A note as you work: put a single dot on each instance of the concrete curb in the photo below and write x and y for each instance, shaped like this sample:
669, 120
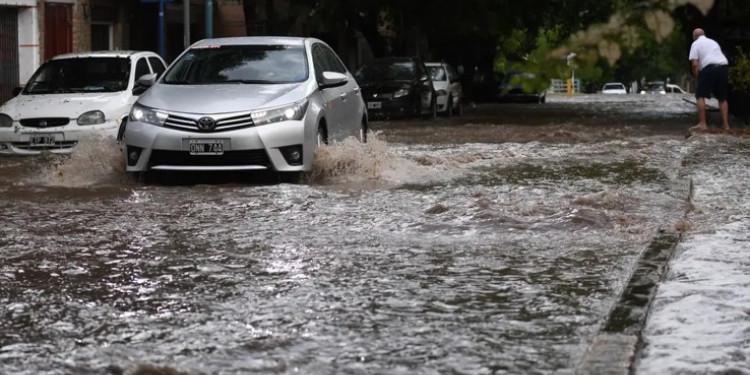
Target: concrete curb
613, 350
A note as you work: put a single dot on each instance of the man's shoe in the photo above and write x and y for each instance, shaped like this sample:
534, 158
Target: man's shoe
699, 127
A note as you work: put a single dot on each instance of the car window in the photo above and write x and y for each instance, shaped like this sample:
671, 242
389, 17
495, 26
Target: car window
141, 68
452, 75
239, 64
386, 71
157, 66
319, 62
334, 64
437, 73
85, 74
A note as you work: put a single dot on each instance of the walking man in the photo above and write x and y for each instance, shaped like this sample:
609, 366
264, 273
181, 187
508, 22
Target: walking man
711, 68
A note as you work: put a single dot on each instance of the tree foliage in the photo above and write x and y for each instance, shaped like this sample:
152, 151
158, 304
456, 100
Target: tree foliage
617, 39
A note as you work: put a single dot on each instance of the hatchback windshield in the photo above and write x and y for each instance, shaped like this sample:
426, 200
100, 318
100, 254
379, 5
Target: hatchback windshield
437, 73
386, 71
239, 64
85, 74
614, 86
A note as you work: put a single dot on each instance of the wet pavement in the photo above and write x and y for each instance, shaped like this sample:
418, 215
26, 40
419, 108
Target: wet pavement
498, 242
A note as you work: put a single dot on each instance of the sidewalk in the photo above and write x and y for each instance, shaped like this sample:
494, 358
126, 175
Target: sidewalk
699, 322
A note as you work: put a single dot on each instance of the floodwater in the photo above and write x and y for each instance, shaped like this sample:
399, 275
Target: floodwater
494, 243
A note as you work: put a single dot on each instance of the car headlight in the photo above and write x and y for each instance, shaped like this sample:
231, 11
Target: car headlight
294, 111
91, 118
400, 93
5, 121
148, 115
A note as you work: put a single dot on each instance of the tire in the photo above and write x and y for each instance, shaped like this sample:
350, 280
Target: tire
321, 137
363, 131
433, 108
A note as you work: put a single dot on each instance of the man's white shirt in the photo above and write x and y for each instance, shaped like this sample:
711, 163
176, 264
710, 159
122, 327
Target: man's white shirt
707, 52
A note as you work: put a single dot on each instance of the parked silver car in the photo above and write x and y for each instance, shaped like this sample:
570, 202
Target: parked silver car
245, 103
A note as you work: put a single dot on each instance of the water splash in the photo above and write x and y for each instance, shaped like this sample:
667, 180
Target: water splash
96, 160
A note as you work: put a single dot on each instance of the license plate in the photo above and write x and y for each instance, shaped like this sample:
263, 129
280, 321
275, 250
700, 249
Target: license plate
42, 140
206, 146
374, 105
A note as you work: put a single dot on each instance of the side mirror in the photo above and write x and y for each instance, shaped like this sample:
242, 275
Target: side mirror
144, 82
147, 80
17, 90
333, 79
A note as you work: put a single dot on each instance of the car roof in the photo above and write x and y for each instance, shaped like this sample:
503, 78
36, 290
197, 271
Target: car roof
96, 54
254, 40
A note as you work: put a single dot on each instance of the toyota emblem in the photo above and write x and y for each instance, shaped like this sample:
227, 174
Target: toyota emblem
206, 124
42, 123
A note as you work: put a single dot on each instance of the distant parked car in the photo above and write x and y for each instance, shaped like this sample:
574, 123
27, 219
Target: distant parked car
660, 87
397, 87
657, 87
614, 88
448, 87
517, 86
243, 104
674, 89
74, 95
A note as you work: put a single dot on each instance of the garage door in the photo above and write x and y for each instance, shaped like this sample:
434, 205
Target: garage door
8, 52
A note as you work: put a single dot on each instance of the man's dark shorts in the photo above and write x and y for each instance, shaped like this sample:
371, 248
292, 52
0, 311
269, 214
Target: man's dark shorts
713, 80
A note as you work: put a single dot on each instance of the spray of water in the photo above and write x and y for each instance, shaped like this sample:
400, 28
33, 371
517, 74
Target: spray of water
96, 160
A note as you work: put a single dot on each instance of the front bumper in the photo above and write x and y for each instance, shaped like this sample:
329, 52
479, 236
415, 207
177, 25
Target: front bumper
265, 147
20, 140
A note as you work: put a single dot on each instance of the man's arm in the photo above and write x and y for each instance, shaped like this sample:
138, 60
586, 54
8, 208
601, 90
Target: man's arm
695, 67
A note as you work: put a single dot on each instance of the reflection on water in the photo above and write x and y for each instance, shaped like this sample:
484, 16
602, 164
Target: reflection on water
423, 256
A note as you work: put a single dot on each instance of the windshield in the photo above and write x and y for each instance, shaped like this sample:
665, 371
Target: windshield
239, 64
84, 74
437, 73
655, 86
614, 86
386, 71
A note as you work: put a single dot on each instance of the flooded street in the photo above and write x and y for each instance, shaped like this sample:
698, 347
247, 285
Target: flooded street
493, 243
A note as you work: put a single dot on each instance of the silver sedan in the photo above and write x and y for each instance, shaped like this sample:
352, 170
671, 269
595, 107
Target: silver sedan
245, 103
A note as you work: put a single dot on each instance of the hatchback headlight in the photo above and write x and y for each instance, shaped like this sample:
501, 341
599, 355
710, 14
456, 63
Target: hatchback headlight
295, 111
148, 115
91, 118
5, 121
400, 93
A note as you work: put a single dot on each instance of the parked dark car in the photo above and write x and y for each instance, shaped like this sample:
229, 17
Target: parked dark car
397, 87
517, 86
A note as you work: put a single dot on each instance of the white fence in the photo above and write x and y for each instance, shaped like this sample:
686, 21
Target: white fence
561, 85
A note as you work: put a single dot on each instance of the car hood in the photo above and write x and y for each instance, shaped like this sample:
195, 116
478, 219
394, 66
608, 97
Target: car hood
384, 87
113, 104
221, 98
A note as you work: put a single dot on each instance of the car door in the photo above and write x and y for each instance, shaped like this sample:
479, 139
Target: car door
424, 86
454, 85
351, 98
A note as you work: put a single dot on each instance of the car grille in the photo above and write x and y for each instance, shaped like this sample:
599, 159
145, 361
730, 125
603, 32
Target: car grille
44, 122
222, 125
62, 145
229, 158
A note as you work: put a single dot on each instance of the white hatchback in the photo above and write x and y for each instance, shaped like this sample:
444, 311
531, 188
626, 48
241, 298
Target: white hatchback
72, 96
614, 88
448, 87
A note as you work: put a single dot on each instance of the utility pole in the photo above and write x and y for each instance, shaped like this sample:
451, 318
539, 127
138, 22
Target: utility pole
209, 18
186, 22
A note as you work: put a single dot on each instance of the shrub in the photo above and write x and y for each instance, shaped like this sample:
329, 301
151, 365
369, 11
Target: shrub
739, 74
